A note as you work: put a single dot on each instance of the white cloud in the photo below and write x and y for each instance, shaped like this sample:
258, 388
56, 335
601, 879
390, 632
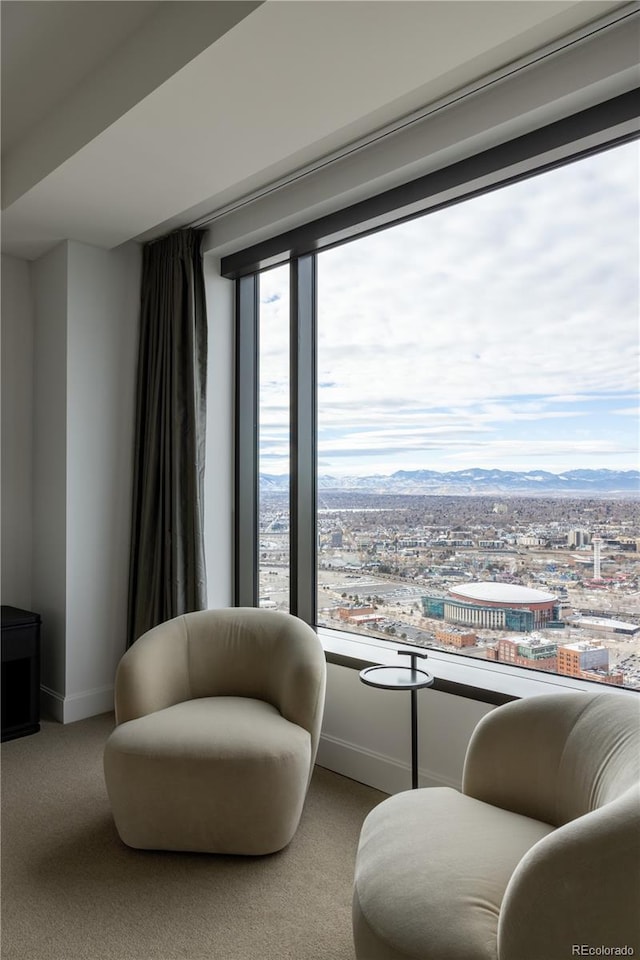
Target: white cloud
519, 307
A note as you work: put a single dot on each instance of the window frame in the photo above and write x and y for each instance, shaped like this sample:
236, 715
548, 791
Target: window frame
593, 130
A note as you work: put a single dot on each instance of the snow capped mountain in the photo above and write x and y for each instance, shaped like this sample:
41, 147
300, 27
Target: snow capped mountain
477, 481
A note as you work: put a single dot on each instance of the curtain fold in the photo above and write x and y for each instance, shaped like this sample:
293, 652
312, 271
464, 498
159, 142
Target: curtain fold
167, 575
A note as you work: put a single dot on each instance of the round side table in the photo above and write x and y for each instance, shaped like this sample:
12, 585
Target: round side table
403, 678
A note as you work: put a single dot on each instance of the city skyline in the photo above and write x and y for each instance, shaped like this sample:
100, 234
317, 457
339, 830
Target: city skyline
499, 332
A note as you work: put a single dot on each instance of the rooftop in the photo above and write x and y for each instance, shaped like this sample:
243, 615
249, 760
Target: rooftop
581, 645
507, 593
607, 623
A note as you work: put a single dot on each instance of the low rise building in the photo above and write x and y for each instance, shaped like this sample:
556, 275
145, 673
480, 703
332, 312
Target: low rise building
587, 660
575, 658
605, 625
356, 614
527, 652
455, 638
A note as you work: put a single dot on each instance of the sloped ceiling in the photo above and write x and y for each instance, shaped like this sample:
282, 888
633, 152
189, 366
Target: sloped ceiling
36, 78
119, 118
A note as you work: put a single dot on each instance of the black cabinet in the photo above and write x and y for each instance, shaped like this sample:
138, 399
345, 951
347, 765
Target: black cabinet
20, 672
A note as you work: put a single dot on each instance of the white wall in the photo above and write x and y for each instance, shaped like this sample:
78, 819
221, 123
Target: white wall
85, 341
366, 733
49, 462
218, 478
102, 342
17, 432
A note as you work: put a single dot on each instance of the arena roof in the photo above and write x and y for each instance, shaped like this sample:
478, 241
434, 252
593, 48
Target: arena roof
507, 593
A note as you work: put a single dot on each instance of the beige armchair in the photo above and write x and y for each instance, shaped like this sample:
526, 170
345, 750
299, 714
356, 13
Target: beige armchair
218, 717
539, 855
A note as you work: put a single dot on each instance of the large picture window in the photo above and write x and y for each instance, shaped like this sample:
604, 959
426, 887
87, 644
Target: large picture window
478, 426
475, 447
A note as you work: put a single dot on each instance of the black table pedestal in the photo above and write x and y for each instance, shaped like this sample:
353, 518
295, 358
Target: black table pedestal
403, 678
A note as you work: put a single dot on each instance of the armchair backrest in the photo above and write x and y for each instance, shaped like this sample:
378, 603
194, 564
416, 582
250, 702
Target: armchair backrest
572, 760
556, 757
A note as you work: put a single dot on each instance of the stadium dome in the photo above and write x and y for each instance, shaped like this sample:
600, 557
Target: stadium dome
497, 606
505, 594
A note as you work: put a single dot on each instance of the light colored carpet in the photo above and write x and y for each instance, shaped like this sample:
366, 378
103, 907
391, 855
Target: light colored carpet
71, 890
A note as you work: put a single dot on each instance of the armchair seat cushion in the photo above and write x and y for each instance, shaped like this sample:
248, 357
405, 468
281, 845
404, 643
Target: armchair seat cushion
214, 774
447, 885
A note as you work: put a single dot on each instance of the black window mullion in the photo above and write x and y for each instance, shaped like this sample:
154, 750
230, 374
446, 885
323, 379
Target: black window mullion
246, 452
303, 303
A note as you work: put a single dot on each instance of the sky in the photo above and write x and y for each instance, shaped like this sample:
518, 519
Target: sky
502, 332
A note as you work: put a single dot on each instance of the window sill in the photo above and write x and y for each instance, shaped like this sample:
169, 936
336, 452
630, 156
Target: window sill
487, 682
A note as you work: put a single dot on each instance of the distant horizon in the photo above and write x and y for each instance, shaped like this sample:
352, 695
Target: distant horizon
462, 470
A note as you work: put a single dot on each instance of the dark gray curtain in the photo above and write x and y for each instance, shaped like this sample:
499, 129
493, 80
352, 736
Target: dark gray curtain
167, 569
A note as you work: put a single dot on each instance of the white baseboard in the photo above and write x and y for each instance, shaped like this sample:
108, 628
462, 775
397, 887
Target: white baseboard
51, 704
375, 769
77, 706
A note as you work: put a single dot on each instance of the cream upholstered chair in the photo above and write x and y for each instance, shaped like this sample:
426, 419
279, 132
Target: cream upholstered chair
538, 854
218, 717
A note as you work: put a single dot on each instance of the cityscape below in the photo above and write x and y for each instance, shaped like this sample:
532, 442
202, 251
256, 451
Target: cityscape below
549, 582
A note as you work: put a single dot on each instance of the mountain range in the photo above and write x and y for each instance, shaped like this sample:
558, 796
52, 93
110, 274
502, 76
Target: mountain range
476, 482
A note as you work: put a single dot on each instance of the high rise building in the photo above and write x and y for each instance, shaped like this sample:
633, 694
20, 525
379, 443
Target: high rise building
597, 543
578, 538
